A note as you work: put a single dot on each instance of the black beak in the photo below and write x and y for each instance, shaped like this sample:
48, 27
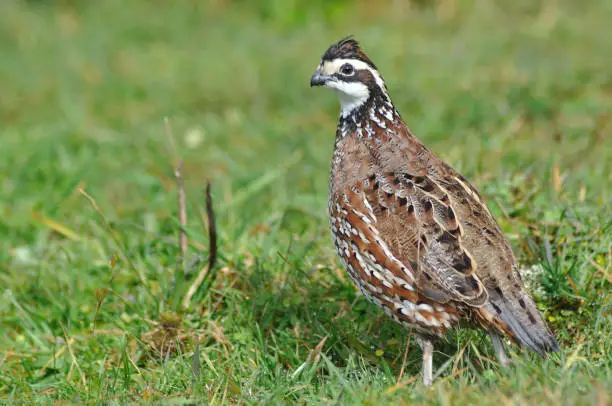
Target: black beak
318, 79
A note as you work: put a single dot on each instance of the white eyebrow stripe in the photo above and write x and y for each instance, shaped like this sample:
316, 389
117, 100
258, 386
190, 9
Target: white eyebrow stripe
331, 67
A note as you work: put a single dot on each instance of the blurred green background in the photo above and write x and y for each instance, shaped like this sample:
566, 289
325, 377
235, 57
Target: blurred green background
517, 95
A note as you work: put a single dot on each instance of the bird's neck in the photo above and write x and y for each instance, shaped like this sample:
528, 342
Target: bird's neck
368, 119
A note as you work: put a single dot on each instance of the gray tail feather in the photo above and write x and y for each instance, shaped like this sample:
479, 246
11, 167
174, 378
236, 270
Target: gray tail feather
526, 323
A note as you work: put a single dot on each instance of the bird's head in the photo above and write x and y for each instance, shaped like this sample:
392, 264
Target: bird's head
350, 73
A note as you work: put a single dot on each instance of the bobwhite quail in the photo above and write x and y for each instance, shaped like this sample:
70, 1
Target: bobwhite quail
414, 235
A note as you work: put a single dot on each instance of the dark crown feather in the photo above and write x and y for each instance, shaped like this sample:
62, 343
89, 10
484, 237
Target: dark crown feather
347, 48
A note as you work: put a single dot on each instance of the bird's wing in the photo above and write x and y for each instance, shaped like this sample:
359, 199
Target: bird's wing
405, 224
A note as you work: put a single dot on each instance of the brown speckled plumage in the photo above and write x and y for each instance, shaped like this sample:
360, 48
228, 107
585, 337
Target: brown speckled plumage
414, 235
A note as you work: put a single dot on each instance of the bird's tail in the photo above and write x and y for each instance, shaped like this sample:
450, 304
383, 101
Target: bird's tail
521, 320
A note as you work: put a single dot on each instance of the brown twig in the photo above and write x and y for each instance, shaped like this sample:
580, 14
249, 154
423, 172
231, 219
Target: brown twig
212, 229
212, 250
401, 374
178, 173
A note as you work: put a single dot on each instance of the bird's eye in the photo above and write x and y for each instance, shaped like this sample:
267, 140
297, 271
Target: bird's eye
347, 69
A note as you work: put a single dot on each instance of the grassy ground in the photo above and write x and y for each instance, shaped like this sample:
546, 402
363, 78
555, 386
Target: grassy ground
518, 98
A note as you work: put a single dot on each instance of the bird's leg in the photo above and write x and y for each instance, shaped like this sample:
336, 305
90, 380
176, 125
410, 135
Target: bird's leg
427, 348
499, 349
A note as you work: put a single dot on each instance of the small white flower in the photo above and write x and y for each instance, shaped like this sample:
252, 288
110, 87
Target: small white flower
194, 137
23, 255
531, 277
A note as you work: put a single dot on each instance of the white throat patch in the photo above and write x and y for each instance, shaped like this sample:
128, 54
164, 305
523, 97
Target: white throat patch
351, 94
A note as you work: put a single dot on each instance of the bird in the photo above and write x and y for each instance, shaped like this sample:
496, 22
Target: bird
414, 235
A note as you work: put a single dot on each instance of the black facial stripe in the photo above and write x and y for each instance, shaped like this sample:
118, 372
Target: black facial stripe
357, 77
377, 98
344, 78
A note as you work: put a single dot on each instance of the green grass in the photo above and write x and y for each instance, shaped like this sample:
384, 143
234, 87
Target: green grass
517, 97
